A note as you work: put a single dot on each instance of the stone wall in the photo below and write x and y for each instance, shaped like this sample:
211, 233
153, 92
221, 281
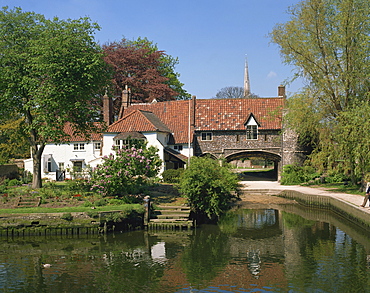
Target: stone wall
225, 143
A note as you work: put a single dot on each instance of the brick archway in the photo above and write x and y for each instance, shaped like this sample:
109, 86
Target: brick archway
275, 158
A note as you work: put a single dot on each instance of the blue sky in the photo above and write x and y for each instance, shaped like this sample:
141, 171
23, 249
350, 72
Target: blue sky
211, 38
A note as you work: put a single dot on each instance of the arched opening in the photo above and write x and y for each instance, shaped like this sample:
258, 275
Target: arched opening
209, 155
256, 165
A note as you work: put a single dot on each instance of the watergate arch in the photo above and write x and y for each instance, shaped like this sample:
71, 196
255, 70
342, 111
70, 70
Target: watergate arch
247, 154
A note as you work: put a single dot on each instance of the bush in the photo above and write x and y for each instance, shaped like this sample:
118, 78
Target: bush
14, 182
93, 214
293, 174
336, 178
100, 202
67, 217
77, 185
172, 175
127, 171
208, 186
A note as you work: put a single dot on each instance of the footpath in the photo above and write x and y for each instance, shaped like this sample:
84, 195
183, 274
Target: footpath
274, 187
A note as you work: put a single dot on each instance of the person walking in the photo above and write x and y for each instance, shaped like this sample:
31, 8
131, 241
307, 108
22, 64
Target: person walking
366, 195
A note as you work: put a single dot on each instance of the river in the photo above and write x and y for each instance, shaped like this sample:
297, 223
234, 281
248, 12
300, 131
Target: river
290, 249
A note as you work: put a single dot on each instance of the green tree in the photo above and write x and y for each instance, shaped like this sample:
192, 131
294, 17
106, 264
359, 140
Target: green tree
352, 144
13, 142
208, 187
51, 73
124, 173
327, 41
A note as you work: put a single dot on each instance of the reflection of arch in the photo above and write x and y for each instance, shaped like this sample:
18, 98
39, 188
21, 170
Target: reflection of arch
209, 155
261, 154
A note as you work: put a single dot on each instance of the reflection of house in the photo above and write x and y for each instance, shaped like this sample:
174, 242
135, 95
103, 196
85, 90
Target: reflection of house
229, 129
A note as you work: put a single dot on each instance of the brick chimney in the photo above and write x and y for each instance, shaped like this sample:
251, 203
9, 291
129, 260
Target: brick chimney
281, 91
193, 103
107, 109
126, 101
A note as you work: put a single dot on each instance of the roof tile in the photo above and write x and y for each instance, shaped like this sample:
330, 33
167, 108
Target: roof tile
210, 115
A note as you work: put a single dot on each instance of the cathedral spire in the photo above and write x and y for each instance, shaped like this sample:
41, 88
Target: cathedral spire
247, 86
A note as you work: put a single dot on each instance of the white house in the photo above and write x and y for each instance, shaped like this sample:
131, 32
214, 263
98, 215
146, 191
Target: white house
59, 161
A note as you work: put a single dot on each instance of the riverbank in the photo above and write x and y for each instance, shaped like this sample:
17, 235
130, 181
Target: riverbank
347, 205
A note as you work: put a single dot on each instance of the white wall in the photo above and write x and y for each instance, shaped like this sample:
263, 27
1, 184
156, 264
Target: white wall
64, 153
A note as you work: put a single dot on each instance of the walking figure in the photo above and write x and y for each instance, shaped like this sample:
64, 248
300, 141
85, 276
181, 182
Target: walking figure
366, 195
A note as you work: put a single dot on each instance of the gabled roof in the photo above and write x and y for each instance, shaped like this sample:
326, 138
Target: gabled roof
251, 118
214, 114
174, 114
139, 121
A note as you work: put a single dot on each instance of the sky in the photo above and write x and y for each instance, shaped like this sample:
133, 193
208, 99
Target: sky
211, 38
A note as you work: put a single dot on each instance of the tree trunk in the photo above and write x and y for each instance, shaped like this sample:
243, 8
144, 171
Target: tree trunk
36, 156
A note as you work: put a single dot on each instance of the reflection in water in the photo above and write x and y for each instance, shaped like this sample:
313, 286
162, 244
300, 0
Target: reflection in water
250, 251
254, 263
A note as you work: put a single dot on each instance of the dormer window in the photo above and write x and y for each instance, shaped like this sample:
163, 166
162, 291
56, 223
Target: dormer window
206, 136
252, 131
251, 128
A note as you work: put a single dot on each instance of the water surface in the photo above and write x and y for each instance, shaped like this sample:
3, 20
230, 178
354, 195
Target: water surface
264, 250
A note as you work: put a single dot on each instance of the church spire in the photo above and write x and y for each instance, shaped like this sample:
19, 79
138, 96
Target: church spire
247, 86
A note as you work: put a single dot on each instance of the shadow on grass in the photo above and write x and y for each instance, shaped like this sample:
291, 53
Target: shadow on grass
252, 175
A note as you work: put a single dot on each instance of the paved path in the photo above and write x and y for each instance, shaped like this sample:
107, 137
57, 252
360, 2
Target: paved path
351, 199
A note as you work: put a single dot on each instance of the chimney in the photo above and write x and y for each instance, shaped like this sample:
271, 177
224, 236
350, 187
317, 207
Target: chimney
281, 91
107, 109
193, 102
125, 101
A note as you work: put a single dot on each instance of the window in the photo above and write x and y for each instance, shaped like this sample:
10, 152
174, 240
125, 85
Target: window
77, 166
49, 167
252, 131
206, 135
61, 166
97, 146
178, 147
119, 143
79, 146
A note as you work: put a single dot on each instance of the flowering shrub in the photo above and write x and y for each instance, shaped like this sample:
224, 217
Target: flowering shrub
123, 173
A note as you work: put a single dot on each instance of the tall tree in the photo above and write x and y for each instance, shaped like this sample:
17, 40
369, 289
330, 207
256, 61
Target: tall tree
167, 69
327, 41
232, 92
51, 72
148, 72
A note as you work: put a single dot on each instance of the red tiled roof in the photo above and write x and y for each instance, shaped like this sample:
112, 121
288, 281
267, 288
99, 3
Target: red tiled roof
174, 114
68, 129
211, 114
139, 121
232, 114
